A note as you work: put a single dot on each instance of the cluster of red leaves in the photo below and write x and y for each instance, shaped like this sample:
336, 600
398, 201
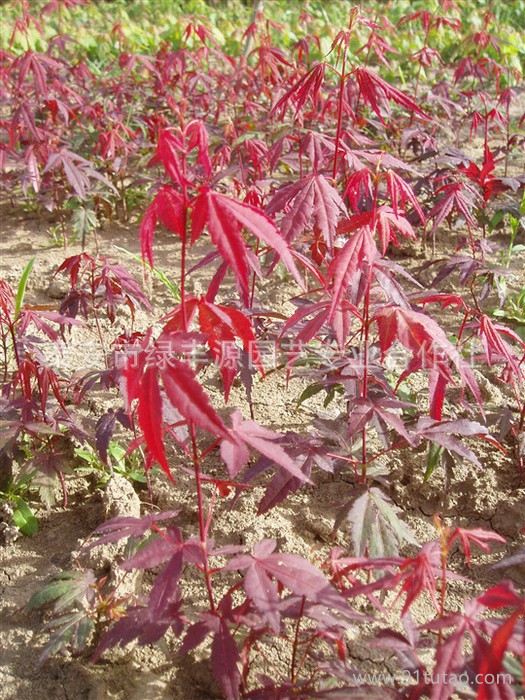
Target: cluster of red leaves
332, 227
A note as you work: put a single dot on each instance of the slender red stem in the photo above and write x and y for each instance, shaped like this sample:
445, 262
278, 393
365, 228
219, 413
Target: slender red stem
293, 675
203, 524
183, 285
365, 378
339, 113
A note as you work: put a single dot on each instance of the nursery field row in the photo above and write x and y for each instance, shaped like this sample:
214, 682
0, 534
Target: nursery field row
262, 322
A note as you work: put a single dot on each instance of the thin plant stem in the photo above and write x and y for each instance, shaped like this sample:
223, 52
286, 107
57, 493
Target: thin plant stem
296, 641
339, 113
203, 523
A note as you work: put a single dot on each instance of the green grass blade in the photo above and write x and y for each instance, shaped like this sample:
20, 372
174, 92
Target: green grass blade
159, 274
22, 285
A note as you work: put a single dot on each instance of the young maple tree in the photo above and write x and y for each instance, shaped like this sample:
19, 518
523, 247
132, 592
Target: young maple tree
280, 170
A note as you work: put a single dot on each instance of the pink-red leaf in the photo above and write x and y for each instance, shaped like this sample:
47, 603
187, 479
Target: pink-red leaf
225, 218
352, 263
150, 417
476, 536
383, 220
427, 342
224, 659
308, 86
292, 571
186, 394
373, 88
250, 434
312, 200
120, 528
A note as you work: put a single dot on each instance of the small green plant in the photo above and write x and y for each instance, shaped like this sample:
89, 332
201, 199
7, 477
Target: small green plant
55, 236
128, 466
514, 312
516, 222
83, 221
80, 607
157, 272
16, 515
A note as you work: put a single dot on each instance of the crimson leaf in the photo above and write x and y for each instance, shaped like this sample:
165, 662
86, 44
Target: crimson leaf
250, 434
225, 219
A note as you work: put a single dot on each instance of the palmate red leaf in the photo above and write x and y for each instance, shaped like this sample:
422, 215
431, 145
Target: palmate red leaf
427, 342
455, 197
225, 656
225, 660
116, 286
476, 536
38, 319
221, 341
361, 411
38, 65
421, 573
249, 434
189, 398
308, 86
358, 186
175, 317
376, 527
450, 653
169, 148
385, 221
169, 207
341, 321
222, 325
416, 575
198, 138
123, 527
264, 593
497, 349
140, 380
166, 207
304, 579
308, 328
281, 486
314, 201
149, 623
150, 417
373, 88
502, 595
400, 192
355, 259
306, 452
225, 219
292, 571
444, 433
170, 545
78, 171
444, 299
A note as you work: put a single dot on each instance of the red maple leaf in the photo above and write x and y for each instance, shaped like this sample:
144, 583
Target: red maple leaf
385, 221
373, 89
429, 346
220, 326
311, 199
225, 219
